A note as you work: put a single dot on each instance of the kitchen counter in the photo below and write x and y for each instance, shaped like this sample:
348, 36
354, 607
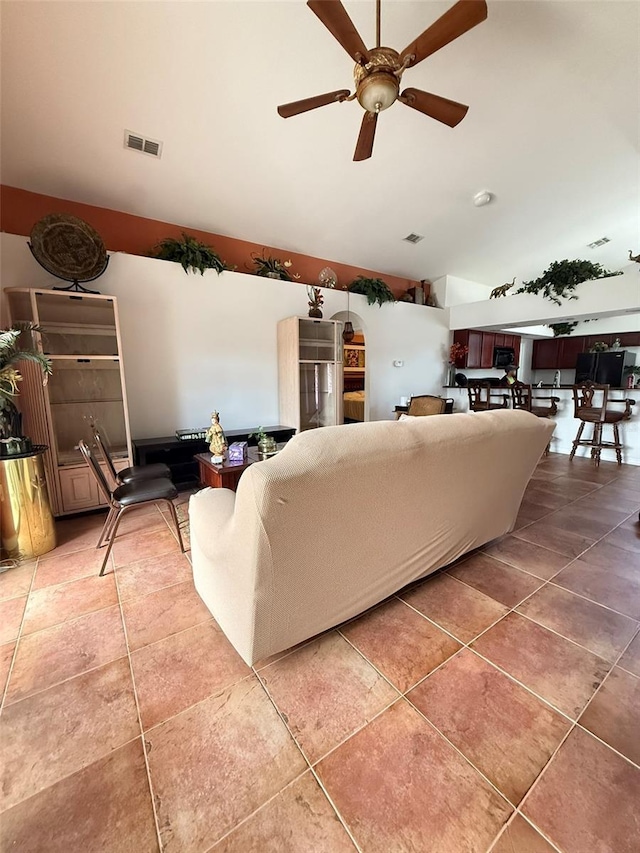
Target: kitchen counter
567, 425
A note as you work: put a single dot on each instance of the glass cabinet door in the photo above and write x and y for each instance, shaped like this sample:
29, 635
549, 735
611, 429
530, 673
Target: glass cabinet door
318, 399
76, 325
318, 341
82, 392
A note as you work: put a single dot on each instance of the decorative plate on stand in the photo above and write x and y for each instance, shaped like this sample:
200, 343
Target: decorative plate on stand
68, 248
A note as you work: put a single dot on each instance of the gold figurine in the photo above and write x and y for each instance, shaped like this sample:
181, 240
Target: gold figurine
217, 441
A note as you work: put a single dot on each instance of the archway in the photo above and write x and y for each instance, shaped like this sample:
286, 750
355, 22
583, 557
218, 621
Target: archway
357, 378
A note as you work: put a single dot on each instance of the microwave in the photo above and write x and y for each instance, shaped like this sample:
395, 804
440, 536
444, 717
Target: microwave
503, 356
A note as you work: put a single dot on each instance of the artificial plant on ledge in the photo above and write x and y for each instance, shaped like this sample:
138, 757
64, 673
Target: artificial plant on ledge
190, 253
561, 278
375, 289
269, 267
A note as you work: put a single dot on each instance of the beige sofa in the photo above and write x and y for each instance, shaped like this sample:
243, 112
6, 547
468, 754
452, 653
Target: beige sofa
346, 515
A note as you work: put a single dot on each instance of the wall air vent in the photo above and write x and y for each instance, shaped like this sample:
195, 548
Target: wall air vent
413, 238
153, 147
599, 242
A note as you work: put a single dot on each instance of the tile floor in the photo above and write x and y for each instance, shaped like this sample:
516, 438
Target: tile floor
493, 707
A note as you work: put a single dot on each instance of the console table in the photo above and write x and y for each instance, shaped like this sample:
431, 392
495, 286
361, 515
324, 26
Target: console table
179, 455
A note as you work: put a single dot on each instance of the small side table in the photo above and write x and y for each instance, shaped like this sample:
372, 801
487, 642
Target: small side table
223, 475
27, 525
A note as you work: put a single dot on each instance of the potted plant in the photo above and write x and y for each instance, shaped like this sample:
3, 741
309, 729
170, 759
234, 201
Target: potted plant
316, 300
561, 278
269, 267
13, 349
266, 443
190, 253
375, 289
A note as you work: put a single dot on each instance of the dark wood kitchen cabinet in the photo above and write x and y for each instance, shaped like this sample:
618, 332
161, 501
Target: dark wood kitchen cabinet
562, 353
481, 346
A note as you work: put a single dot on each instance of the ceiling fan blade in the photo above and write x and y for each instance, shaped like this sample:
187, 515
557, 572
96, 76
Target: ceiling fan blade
460, 18
297, 107
441, 109
335, 18
364, 145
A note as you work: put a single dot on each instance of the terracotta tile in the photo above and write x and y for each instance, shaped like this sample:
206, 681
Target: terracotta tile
530, 558
598, 629
137, 522
544, 500
53, 605
11, 612
603, 586
562, 541
418, 645
106, 807
68, 567
153, 574
521, 837
61, 730
458, 608
531, 510
447, 806
630, 660
590, 474
569, 488
627, 538
554, 668
587, 800
326, 691
592, 523
499, 581
77, 534
6, 656
504, 731
131, 549
604, 554
152, 617
55, 654
609, 499
16, 582
300, 819
614, 713
233, 753
183, 669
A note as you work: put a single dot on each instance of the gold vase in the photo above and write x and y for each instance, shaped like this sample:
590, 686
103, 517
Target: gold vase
27, 525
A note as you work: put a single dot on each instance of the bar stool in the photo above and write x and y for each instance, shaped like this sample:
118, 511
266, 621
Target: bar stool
522, 398
480, 397
590, 406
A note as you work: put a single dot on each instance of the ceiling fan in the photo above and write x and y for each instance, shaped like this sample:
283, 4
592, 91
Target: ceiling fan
378, 71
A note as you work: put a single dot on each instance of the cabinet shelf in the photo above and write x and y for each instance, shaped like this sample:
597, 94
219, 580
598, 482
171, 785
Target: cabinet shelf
82, 358
86, 402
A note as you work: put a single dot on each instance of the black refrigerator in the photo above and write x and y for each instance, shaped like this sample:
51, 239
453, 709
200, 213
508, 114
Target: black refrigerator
604, 368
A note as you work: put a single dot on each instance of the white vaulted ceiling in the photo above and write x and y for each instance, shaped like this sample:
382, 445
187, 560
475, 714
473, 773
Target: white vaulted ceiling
552, 130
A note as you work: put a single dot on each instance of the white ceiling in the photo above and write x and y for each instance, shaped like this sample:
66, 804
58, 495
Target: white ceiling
552, 130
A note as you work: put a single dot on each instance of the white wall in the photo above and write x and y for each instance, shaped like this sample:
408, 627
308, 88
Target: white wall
605, 297
192, 343
451, 290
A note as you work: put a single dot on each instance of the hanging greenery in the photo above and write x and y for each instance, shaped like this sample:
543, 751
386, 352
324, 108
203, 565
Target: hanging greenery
269, 267
190, 253
562, 328
562, 277
375, 289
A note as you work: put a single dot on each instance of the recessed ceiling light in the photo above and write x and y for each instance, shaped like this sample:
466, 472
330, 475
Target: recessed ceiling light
482, 198
413, 238
599, 242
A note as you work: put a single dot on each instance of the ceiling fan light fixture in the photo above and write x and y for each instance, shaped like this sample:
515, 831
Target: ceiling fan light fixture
377, 92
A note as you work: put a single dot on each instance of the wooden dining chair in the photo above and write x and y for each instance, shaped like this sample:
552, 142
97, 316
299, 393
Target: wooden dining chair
482, 397
590, 407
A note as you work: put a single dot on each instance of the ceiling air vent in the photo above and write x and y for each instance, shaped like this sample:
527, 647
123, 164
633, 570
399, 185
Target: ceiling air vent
413, 238
153, 147
599, 242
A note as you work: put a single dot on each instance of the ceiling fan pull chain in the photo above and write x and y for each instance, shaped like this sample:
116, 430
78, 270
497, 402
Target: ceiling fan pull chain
378, 3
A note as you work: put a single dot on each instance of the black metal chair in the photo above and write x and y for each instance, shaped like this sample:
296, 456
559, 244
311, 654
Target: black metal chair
126, 497
590, 406
134, 472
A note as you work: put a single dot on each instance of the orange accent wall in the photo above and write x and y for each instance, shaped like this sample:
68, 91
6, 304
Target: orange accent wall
136, 235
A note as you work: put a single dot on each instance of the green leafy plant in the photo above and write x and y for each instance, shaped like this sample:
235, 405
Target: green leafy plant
561, 278
259, 434
190, 253
269, 267
375, 289
562, 328
13, 349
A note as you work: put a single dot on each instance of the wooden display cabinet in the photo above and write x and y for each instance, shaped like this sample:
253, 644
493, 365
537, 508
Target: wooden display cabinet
310, 375
81, 336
